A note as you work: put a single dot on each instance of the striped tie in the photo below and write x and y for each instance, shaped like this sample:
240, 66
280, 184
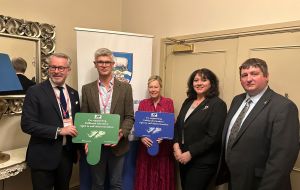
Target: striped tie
63, 102
237, 124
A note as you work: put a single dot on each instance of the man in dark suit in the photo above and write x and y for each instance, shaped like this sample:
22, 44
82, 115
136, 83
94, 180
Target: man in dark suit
111, 96
48, 112
261, 134
20, 66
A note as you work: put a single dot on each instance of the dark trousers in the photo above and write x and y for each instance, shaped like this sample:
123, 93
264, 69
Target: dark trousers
58, 179
195, 177
112, 166
84, 172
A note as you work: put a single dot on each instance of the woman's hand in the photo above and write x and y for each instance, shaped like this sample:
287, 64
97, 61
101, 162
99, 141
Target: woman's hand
177, 151
159, 140
185, 157
146, 141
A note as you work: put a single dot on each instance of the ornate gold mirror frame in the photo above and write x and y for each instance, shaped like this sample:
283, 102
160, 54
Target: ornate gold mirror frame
43, 35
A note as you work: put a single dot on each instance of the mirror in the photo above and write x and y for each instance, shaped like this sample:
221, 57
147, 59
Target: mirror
15, 47
33, 42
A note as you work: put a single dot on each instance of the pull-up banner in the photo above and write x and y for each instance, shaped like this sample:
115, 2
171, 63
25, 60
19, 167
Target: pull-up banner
133, 53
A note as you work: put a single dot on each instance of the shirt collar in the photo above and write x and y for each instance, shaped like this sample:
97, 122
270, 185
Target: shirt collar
54, 85
111, 82
159, 102
256, 97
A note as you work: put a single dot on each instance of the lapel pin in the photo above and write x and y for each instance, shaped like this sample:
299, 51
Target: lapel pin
206, 107
76, 102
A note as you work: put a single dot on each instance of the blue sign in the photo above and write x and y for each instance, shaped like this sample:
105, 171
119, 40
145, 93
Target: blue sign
154, 125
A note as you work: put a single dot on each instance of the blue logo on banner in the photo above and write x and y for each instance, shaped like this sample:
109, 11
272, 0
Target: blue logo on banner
154, 125
123, 66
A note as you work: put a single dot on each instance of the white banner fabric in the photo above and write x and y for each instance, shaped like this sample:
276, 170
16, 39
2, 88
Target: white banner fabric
133, 53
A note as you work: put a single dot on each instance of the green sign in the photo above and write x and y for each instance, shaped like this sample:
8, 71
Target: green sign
95, 130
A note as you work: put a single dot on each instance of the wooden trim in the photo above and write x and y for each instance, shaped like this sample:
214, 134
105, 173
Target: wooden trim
235, 33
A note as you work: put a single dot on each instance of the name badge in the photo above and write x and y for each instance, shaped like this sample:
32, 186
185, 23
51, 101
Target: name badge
67, 122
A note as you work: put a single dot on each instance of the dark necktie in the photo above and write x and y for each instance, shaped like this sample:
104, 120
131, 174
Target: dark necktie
237, 124
63, 102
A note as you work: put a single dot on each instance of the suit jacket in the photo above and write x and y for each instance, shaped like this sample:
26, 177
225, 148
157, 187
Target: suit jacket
25, 82
266, 147
202, 130
121, 104
40, 118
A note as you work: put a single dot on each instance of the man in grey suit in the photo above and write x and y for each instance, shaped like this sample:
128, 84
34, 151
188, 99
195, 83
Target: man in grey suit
109, 95
261, 134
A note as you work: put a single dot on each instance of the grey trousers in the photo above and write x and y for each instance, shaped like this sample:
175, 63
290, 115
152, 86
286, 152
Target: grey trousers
110, 166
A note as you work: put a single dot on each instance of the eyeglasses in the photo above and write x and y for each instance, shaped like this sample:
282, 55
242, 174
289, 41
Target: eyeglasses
60, 69
106, 63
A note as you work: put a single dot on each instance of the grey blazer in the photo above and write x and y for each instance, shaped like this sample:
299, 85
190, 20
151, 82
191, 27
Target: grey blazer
122, 104
266, 148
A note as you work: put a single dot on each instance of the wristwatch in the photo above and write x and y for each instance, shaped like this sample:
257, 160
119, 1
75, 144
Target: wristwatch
58, 130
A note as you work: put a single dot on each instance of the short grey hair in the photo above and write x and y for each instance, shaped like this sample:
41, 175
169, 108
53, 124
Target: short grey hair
60, 55
104, 52
19, 64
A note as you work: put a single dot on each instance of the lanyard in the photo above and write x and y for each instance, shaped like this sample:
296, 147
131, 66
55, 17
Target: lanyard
102, 102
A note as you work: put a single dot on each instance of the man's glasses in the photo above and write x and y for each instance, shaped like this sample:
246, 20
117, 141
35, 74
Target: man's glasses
106, 63
60, 69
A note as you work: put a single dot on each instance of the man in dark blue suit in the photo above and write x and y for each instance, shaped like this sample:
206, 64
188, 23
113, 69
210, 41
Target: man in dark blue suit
261, 134
20, 66
48, 113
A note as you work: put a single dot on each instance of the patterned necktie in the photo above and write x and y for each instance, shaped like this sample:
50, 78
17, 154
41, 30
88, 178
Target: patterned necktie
63, 102
237, 124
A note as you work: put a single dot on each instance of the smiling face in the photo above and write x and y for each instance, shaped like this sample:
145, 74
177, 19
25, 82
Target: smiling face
201, 85
58, 71
154, 89
253, 80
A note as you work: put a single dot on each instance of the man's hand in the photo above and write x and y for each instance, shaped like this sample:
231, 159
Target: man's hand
120, 136
69, 130
86, 148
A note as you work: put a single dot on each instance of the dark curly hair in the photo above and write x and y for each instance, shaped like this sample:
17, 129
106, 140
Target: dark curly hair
205, 74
